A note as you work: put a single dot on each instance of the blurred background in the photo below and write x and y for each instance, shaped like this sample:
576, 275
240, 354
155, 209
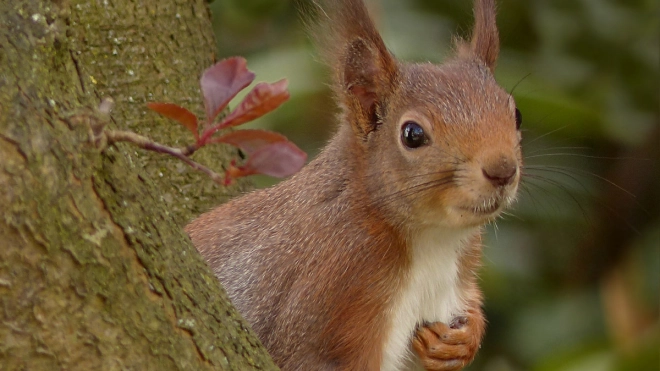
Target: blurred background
572, 273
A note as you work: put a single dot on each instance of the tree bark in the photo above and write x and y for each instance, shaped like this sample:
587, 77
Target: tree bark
95, 271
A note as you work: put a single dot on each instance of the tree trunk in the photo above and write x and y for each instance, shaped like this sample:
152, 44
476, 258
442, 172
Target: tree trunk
95, 271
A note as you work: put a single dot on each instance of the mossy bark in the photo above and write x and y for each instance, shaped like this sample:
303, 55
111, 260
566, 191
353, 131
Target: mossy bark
95, 271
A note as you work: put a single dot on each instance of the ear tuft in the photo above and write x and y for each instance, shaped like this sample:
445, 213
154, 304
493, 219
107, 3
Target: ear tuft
485, 43
364, 70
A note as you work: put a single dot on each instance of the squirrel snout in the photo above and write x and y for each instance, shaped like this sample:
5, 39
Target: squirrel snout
502, 172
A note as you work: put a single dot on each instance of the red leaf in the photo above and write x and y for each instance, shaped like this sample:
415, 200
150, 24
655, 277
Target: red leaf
221, 82
178, 113
234, 172
250, 140
280, 159
262, 99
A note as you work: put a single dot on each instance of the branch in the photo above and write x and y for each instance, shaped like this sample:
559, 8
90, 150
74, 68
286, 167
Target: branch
115, 136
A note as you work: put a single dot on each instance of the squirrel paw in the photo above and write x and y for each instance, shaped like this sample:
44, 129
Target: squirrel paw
442, 347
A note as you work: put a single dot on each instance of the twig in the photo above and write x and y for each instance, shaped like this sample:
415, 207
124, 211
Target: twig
115, 136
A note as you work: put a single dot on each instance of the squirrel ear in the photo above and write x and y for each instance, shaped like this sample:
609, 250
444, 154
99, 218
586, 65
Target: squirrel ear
485, 43
364, 70
368, 73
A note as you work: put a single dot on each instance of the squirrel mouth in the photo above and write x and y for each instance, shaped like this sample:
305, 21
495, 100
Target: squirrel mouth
485, 209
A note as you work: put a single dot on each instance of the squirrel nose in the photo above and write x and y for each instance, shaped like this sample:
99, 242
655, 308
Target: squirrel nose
500, 173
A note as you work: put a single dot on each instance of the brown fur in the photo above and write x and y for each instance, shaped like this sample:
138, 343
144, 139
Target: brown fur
315, 262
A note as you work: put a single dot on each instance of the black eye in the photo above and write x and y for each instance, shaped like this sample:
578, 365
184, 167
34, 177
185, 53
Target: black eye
412, 135
518, 119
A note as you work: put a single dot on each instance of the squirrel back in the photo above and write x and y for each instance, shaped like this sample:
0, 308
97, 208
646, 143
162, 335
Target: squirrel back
344, 265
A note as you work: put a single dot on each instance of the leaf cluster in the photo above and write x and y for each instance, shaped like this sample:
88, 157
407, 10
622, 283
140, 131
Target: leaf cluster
268, 153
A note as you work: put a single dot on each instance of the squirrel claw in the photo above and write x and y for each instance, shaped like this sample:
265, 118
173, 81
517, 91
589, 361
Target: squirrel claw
443, 347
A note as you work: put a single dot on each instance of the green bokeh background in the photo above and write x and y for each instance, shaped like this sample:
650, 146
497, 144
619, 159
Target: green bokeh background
572, 273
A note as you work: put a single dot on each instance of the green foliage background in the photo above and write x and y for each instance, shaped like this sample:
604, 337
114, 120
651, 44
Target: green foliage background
572, 273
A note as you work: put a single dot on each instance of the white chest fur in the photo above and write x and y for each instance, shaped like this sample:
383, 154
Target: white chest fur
428, 293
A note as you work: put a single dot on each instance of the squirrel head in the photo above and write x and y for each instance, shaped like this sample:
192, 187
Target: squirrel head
435, 144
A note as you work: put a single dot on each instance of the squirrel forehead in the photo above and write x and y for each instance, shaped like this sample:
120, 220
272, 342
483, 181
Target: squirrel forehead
458, 91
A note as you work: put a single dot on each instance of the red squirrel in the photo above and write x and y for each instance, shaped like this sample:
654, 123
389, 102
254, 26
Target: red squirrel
366, 259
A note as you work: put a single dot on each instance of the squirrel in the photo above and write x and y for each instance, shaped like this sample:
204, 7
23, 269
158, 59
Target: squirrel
366, 259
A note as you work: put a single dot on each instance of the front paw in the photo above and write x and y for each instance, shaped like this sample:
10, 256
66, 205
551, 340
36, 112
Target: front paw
442, 347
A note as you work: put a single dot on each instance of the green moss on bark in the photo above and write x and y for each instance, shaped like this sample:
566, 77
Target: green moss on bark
161, 61
95, 272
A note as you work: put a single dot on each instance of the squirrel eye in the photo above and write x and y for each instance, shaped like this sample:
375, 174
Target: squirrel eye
412, 135
518, 119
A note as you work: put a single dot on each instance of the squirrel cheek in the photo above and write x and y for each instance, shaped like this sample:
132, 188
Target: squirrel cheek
440, 206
